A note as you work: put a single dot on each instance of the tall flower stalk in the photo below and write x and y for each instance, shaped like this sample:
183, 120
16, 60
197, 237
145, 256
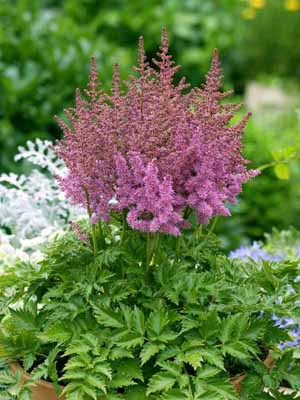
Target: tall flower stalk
153, 150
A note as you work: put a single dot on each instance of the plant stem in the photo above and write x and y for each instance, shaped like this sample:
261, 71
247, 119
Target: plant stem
156, 247
199, 232
177, 248
123, 226
148, 250
100, 234
189, 384
94, 233
213, 225
151, 251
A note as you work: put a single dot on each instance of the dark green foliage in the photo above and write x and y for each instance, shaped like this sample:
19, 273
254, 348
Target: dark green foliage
105, 328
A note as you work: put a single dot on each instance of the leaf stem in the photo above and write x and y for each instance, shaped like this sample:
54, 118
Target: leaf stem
152, 245
212, 227
123, 226
94, 233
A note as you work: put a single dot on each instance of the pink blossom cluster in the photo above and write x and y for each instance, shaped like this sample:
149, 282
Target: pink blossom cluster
153, 148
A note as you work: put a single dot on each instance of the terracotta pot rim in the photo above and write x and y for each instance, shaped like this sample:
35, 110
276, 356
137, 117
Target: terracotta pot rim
15, 366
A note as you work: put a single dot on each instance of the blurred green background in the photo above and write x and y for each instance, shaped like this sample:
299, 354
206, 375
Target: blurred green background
45, 47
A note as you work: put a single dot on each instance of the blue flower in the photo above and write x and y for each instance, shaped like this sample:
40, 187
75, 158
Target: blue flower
256, 253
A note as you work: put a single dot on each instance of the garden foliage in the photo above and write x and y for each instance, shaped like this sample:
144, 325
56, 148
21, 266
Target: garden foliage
104, 327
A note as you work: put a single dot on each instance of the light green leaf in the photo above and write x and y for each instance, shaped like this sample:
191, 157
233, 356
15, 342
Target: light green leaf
149, 350
96, 382
207, 372
194, 357
130, 340
104, 369
161, 381
282, 171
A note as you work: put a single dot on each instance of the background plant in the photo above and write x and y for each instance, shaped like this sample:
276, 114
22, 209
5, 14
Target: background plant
267, 201
32, 206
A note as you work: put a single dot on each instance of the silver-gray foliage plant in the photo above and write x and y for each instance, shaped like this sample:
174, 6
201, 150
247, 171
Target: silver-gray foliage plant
32, 206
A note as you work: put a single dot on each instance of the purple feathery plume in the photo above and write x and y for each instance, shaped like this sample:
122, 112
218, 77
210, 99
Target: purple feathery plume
156, 148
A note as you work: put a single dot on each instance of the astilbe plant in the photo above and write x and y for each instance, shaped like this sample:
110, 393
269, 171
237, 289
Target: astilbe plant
156, 151
154, 158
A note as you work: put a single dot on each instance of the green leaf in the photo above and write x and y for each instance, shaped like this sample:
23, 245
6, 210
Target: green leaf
57, 332
277, 155
28, 361
282, 171
293, 378
108, 318
89, 391
74, 375
139, 321
207, 372
171, 367
130, 340
235, 350
119, 352
160, 381
194, 357
229, 326
149, 350
136, 393
104, 369
157, 321
130, 368
96, 382
213, 357
175, 394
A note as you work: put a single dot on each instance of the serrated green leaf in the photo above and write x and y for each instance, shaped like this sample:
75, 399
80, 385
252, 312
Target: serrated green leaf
73, 375
213, 357
235, 350
229, 325
55, 333
206, 372
139, 321
130, 340
159, 382
171, 367
121, 381
194, 357
28, 361
108, 318
136, 393
157, 321
89, 391
104, 369
176, 394
119, 352
149, 350
96, 382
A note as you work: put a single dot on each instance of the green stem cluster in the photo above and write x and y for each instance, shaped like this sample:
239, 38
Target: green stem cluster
152, 246
97, 231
